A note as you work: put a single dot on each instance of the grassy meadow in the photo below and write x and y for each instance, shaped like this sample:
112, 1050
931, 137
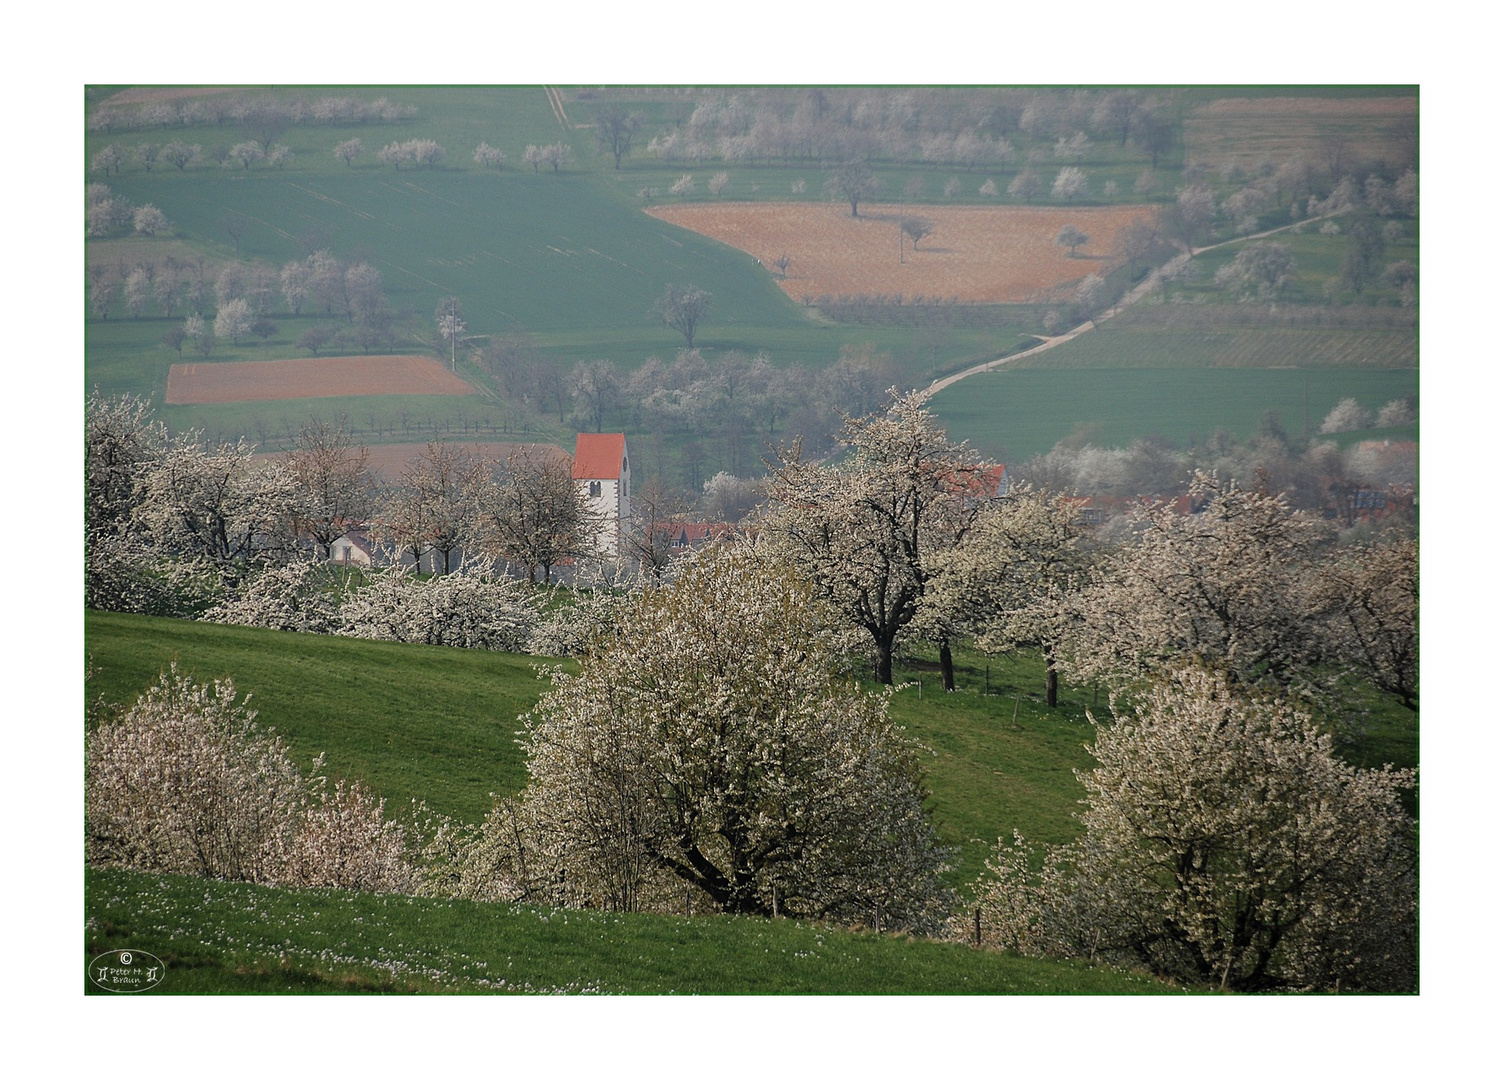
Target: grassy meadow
440, 725
226, 938
1014, 413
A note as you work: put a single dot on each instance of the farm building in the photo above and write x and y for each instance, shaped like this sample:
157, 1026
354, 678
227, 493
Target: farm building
353, 549
603, 473
688, 535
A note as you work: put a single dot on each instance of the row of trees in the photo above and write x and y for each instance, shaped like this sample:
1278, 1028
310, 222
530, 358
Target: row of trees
243, 297
242, 155
908, 536
1315, 475
106, 213
731, 406
965, 129
263, 114
176, 524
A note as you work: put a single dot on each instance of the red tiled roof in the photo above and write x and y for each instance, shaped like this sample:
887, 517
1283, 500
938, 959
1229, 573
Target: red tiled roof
599, 457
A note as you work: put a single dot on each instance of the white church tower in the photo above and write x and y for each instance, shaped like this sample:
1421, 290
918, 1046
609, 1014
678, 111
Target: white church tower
603, 474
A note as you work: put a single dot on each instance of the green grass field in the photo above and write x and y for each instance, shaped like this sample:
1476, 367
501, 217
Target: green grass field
415, 722
439, 724
436, 724
1014, 413
222, 938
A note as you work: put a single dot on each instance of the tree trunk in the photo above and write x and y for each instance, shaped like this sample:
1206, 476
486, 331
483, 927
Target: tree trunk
1051, 679
885, 664
947, 667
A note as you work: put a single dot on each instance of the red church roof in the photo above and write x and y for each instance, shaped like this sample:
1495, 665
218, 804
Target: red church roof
599, 457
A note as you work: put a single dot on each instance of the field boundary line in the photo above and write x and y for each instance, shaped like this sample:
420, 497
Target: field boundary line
556, 103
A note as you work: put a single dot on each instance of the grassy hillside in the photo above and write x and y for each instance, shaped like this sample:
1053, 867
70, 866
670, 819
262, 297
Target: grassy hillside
1013, 413
416, 722
439, 725
220, 938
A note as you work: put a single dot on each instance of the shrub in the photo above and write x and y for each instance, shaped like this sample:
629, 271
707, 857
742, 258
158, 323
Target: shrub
709, 750
1225, 844
1346, 415
290, 597
463, 610
186, 783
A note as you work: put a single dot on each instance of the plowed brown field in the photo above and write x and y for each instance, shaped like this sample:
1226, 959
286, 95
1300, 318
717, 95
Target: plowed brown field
318, 376
1247, 130
976, 254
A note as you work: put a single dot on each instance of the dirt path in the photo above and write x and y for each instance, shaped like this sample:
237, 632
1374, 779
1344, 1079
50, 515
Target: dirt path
1128, 299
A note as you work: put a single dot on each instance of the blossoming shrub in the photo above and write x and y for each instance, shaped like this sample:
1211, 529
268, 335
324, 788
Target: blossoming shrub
706, 756
464, 610
291, 597
1225, 844
186, 783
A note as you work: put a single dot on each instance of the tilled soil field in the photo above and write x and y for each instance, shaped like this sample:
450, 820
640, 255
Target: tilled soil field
1248, 130
318, 376
976, 254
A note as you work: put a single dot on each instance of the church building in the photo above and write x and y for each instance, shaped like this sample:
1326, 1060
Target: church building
603, 474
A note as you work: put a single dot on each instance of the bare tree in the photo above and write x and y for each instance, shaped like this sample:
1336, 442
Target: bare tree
334, 484
1071, 237
649, 537
530, 512
181, 155
450, 323
595, 386
235, 224
682, 307
853, 181
614, 130
916, 228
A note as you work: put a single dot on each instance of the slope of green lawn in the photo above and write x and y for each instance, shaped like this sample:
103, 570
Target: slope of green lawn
414, 721
223, 938
1014, 413
439, 725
